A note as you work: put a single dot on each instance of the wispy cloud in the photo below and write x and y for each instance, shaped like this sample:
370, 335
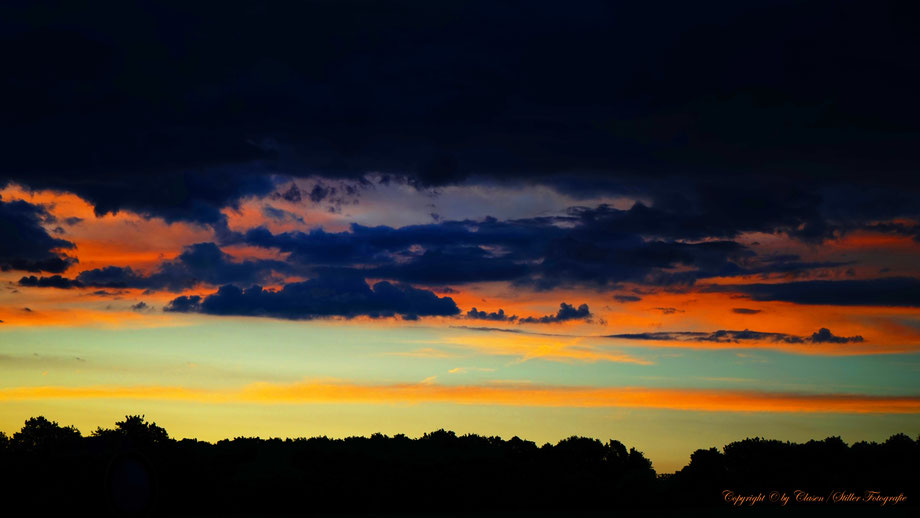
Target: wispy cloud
424, 352
529, 346
464, 370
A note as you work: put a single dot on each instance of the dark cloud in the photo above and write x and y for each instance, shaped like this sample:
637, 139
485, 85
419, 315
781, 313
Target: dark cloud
369, 243
566, 312
721, 211
599, 249
513, 331
54, 281
201, 263
824, 336
293, 194
320, 192
715, 336
794, 118
106, 293
599, 259
333, 196
280, 214
495, 329
441, 253
124, 277
668, 311
897, 228
194, 195
454, 264
540, 252
498, 316
140, 306
185, 304
744, 116
342, 296
723, 336
746, 311
25, 244
889, 291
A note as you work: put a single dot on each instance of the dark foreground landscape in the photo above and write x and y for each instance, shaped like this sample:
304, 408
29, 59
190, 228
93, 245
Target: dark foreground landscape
136, 469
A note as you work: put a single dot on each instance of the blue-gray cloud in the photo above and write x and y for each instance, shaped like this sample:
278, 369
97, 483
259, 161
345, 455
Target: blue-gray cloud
201, 263
566, 312
823, 335
539, 252
25, 244
342, 296
888, 291
54, 281
497, 316
746, 311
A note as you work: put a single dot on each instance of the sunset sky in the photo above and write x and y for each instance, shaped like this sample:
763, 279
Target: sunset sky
674, 226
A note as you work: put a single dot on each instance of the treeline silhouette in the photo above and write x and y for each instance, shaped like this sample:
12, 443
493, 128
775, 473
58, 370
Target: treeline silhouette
135, 468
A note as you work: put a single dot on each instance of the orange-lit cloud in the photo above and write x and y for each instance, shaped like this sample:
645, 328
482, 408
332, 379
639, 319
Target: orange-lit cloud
122, 318
505, 394
707, 312
122, 239
250, 214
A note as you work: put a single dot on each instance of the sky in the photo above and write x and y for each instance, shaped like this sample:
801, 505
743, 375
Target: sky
675, 225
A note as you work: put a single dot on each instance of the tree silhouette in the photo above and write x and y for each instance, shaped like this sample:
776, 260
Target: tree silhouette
135, 468
135, 431
40, 434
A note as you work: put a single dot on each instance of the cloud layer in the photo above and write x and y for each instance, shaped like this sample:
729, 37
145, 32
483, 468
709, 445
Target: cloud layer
793, 125
821, 336
889, 291
323, 297
24, 242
